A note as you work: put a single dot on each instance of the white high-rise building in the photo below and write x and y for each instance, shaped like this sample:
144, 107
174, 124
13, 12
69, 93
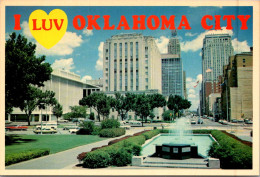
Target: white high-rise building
131, 62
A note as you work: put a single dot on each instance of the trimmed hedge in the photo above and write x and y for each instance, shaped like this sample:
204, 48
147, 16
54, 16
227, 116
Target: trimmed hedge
97, 160
150, 134
23, 156
112, 132
117, 154
232, 153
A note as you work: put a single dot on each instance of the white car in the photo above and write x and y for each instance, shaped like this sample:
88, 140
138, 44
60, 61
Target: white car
74, 130
47, 125
63, 120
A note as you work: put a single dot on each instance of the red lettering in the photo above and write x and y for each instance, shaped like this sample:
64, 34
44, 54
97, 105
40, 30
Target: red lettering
82, 21
106, 23
34, 25
123, 23
204, 23
229, 19
217, 22
140, 22
44, 24
243, 19
156, 22
57, 25
184, 22
17, 22
168, 23
92, 22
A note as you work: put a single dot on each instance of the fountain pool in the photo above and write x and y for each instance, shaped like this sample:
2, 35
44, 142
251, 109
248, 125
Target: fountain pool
202, 141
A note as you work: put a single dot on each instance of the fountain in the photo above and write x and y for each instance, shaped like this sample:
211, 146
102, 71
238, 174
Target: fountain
180, 145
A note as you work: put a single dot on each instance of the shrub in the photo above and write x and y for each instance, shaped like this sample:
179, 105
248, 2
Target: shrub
117, 154
96, 130
87, 127
150, 134
112, 132
97, 159
120, 157
109, 123
117, 140
232, 153
137, 149
23, 156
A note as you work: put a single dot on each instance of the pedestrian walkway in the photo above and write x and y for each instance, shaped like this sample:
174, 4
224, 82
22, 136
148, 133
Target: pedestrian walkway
65, 159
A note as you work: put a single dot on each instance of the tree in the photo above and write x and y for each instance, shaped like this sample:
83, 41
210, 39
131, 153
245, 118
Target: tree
57, 111
123, 104
185, 104
157, 100
174, 103
33, 99
78, 111
167, 115
98, 101
142, 106
22, 69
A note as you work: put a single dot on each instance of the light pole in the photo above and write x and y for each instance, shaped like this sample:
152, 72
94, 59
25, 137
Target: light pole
41, 106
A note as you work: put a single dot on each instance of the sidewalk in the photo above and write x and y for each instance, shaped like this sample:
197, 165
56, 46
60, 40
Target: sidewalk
65, 159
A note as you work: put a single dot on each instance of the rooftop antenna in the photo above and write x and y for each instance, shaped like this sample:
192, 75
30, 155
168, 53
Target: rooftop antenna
174, 33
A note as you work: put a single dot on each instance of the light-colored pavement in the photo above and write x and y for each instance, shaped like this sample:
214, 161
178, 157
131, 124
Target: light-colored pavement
65, 159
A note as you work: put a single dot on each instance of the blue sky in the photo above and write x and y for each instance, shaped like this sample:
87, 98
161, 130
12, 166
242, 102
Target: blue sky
80, 51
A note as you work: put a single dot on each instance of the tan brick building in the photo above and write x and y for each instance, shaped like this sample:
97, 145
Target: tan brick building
237, 101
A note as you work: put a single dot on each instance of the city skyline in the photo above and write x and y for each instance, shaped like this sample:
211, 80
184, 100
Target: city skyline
81, 51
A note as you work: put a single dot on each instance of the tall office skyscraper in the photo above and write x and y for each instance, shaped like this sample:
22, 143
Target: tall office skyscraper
172, 71
215, 53
131, 62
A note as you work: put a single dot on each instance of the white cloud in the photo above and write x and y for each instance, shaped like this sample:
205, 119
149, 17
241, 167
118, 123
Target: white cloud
199, 78
190, 34
7, 36
87, 32
200, 54
162, 44
197, 43
193, 92
65, 46
26, 31
188, 79
87, 77
66, 64
240, 46
99, 63
191, 96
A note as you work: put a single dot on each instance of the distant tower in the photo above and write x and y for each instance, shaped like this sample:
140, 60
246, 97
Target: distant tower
172, 70
174, 44
174, 33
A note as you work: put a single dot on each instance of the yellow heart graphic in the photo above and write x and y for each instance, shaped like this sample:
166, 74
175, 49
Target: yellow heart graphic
48, 29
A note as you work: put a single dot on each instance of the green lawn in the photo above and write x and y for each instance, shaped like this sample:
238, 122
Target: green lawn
55, 143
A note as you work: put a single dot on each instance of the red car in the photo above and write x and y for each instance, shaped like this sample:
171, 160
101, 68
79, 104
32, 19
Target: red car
16, 127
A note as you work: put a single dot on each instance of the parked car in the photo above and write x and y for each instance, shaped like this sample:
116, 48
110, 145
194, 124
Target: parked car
135, 123
63, 120
124, 125
247, 121
200, 121
45, 131
69, 127
16, 127
240, 121
193, 122
74, 130
234, 120
47, 125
